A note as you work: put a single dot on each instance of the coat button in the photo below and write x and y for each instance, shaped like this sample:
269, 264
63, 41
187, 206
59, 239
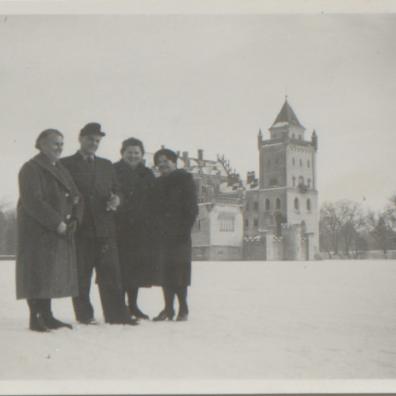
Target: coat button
67, 195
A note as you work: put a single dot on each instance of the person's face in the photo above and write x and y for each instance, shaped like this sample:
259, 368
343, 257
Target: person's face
89, 144
165, 165
52, 146
133, 155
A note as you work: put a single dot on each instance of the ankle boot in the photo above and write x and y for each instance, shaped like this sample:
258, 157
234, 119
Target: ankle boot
36, 321
50, 321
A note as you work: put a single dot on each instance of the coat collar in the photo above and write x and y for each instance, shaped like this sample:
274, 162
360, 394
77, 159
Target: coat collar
58, 171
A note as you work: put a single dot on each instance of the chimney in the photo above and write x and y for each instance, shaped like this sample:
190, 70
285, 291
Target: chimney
185, 159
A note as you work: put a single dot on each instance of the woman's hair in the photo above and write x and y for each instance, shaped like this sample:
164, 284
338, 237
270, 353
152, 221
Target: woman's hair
44, 135
132, 142
169, 154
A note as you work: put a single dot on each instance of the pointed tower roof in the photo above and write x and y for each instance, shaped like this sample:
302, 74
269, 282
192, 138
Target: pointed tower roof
286, 117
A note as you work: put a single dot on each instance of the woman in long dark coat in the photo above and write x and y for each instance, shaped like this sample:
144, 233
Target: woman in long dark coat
134, 222
47, 214
176, 209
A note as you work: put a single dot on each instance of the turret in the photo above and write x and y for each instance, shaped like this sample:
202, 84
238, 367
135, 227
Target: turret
314, 140
260, 139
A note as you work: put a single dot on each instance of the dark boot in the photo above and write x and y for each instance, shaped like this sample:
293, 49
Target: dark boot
183, 307
36, 322
133, 307
50, 321
168, 312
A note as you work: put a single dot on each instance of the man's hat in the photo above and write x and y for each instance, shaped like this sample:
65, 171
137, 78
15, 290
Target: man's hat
92, 128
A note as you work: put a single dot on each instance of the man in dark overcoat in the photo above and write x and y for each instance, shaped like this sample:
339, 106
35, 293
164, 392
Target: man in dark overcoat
96, 238
48, 208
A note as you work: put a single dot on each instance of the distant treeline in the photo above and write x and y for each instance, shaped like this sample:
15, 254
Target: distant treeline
349, 231
346, 230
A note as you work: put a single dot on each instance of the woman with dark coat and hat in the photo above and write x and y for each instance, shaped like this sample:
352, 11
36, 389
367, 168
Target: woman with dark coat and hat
134, 222
176, 209
48, 211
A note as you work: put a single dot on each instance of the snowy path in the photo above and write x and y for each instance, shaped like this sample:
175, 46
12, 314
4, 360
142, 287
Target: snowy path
249, 320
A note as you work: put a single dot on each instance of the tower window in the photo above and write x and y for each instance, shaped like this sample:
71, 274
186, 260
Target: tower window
296, 204
309, 183
267, 204
256, 222
256, 206
247, 206
246, 223
301, 162
300, 180
278, 203
308, 163
294, 181
293, 161
273, 181
308, 204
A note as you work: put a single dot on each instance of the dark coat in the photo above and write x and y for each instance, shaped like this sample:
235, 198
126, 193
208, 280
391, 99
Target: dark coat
96, 191
46, 261
176, 210
134, 221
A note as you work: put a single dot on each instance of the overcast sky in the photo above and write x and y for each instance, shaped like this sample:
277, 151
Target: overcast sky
207, 82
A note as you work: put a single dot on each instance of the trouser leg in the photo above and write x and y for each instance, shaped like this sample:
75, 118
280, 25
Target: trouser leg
109, 282
132, 298
83, 308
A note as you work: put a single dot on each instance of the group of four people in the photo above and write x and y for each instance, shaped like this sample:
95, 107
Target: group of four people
82, 212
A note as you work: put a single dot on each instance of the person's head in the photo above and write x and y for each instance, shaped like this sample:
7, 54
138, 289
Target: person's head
166, 161
90, 137
50, 143
132, 151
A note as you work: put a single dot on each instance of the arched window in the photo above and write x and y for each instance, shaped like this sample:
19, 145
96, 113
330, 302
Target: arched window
309, 183
294, 181
256, 222
267, 204
308, 204
278, 203
296, 204
300, 162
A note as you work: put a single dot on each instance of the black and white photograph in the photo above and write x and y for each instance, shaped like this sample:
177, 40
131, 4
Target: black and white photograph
197, 201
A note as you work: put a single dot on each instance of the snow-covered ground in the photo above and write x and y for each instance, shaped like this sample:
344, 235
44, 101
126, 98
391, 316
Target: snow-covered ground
248, 321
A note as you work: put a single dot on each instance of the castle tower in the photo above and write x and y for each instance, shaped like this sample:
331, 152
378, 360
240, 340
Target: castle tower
287, 197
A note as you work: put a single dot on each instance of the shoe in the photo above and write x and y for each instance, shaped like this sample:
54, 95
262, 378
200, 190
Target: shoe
90, 321
138, 314
182, 317
164, 315
53, 323
127, 321
37, 323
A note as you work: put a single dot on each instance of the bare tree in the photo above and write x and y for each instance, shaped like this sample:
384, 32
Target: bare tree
341, 224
